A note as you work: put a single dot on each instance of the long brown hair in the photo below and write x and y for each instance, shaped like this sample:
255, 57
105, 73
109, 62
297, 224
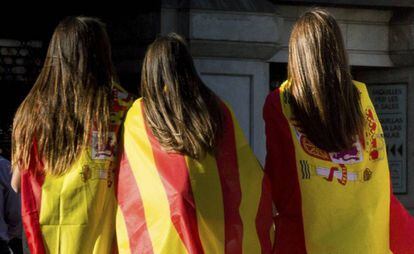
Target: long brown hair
69, 99
184, 115
325, 102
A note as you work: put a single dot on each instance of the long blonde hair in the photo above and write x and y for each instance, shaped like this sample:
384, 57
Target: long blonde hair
69, 99
325, 102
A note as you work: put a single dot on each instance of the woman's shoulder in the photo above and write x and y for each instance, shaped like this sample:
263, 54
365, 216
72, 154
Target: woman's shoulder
275, 101
364, 95
360, 86
137, 104
134, 113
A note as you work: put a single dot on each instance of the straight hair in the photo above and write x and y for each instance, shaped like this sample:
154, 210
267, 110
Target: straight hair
183, 114
325, 102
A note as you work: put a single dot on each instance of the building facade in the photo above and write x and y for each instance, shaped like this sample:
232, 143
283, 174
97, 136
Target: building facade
240, 51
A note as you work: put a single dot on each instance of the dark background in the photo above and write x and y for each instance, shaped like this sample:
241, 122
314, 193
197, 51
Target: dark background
130, 28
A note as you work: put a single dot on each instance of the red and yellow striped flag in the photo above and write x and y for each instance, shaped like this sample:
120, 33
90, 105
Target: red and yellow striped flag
170, 203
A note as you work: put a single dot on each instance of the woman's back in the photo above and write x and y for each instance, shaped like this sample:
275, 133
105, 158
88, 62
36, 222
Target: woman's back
75, 212
340, 201
188, 182
326, 153
173, 203
65, 140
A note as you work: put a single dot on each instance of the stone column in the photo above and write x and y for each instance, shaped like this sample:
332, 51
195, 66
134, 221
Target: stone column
401, 50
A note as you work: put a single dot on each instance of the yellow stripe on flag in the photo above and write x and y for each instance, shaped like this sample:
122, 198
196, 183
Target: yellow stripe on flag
251, 176
163, 234
122, 234
206, 187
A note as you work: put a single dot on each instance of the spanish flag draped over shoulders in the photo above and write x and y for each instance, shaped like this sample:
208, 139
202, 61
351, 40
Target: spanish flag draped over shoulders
332, 202
75, 212
170, 203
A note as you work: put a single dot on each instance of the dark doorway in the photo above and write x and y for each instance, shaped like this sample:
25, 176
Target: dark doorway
277, 74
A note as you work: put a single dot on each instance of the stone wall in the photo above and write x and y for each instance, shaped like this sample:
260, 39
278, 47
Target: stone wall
231, 51
402, 75
365, 33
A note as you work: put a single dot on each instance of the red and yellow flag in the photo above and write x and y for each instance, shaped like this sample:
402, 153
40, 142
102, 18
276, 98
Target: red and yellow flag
170, 203
332, 202
75, 213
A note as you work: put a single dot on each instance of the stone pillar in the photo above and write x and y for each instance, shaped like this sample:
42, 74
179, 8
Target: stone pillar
231, 51
401, 38
403, 75
401, 50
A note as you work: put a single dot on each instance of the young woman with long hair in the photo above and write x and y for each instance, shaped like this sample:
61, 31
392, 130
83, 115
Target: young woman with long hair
326, 154
188, 182
65, 141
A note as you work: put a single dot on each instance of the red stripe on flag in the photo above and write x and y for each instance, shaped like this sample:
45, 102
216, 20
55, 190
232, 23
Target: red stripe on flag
281, 169
401, 227
230, 183
264, 217
130, 202
32, 180
174, 175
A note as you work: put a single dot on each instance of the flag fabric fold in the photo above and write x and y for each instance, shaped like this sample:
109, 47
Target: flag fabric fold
332, 202
171, 203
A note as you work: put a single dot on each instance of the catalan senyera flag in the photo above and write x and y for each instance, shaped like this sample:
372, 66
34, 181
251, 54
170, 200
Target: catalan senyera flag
332, 202
75, 213
170, 203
